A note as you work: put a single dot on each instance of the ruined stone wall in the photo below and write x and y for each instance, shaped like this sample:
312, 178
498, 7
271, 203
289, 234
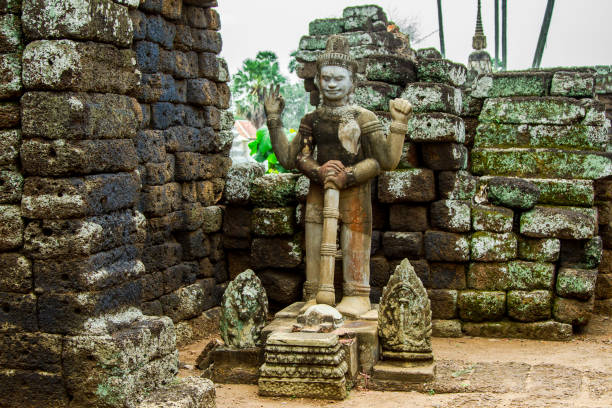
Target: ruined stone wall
603, 201
94, 225
511, 256
183, 147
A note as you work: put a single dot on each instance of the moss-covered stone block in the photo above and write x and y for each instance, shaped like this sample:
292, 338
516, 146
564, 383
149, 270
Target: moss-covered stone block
441, 70
238, 182
433, 97
406, 185
479, 306
488, 276
10, 76
546, 163
443, 303
533, 110
79, 66
11, 37
545, 330
512, 84
577, 136
392, 69
9, 146
470, 105
529, 306
512, 192
572, 311
274, 190
80, 20
603, 286
375, 95
565, 192
531, 275
326, 26
451, 215
431, 53
490, 246
436, 127
11, 227
456, 185
446, 246
491, 218
273, 221
559, 222
593, 252
574, 84
11, 187
576, 283
277, 252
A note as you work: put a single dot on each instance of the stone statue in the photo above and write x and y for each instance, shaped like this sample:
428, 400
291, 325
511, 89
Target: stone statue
244, 311
341, 147
404, 317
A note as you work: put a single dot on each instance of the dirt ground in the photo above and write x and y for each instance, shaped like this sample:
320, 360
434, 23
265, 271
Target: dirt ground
475, 372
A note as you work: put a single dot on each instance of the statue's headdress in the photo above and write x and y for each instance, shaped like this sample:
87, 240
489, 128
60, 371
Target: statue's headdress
337, 53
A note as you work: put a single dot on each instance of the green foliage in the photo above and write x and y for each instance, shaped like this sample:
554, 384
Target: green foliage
249, 83
297, 104
258, 74
261, 150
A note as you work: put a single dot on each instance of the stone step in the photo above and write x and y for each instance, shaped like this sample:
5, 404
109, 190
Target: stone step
190, 392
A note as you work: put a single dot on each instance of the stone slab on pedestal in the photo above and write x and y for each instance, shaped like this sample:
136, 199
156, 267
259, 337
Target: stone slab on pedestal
404, 371
236, 366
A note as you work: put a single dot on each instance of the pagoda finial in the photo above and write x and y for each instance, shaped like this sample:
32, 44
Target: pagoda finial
479, 41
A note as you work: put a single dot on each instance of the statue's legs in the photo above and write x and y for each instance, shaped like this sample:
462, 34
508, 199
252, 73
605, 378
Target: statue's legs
355, 240
313, 230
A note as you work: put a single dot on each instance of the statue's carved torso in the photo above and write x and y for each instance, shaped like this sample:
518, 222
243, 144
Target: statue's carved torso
337, 135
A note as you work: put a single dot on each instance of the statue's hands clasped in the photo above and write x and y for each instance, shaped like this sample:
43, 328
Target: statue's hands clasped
401, 110
333, 174
273, 101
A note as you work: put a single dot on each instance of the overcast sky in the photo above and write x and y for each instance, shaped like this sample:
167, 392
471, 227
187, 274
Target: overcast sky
580, 31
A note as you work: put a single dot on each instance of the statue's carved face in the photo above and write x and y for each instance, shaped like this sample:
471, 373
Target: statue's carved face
336, 83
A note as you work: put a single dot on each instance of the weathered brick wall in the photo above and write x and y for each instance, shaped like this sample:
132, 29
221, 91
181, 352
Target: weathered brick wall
490, 266
183, 146
106, 203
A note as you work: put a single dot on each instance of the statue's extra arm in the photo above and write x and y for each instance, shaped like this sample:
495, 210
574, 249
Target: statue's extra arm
386, 150
286, 151
305, 161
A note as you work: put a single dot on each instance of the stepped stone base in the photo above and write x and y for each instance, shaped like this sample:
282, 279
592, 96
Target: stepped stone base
321, 388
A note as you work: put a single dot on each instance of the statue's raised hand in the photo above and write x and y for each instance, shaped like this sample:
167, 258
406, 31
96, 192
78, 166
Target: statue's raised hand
400, 110
273, 101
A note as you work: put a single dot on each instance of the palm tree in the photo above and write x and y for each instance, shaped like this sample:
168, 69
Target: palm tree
537, 58
504, 34
497, 64
441, 29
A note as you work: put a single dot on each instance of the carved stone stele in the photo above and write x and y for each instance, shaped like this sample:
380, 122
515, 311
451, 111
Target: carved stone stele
404, 316
245, 307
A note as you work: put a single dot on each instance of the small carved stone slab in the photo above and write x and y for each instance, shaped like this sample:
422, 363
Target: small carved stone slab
303, 371
303, 339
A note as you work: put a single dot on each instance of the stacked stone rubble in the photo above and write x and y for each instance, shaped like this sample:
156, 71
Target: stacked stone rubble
603, 201
546, 135
488, 267
182, 145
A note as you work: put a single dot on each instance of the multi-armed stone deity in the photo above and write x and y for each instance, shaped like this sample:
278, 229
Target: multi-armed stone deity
340, 147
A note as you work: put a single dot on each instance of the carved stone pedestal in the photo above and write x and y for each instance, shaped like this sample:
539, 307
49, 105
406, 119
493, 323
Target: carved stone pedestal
311, 365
